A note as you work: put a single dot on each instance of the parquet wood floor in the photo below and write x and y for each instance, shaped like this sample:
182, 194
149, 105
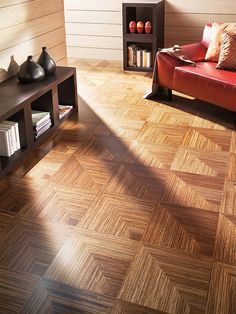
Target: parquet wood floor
129, 210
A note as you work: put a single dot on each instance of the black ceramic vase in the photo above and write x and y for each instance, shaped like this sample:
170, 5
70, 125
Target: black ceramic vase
30, 71
46, 62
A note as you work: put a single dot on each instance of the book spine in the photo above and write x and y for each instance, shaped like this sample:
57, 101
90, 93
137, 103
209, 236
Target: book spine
10, 141
144, 60
4, 145
130, 57
148, 59
13, 136
17, 136
139, 59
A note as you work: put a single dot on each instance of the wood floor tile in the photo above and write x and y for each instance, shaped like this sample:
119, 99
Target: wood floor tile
153, 155
162, 134
18, 191
141, 182
233, 142
30, 246
201, 162
228, 205
222, 294
231, 171
122, 307
15, 289
168, 281
166, 116
54, 297
205, 139
118, 215
125, 128
6, 218
107, 148
49, 165
29, 162
225, 248
214, 118
191, 190
183, 228
85, 173
137, 113
59, 204
94, 262
128, 191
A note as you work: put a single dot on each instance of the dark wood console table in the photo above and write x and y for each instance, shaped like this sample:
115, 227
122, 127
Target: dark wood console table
17, 100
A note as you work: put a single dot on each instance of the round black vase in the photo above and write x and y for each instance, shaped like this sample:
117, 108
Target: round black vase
30, 71
46, 62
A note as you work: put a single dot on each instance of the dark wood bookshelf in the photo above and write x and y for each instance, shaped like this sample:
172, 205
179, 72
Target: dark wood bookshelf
17, 100
153, 12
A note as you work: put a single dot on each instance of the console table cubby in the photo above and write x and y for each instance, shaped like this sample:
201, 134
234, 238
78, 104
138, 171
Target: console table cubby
17, 100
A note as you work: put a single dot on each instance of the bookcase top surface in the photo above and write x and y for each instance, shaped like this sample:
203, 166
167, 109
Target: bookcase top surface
13, 93
141, 2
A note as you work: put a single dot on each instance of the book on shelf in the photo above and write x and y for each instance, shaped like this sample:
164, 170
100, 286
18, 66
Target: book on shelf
43, 129
39, 117
41, 122
64, 110
137, 57
9, 138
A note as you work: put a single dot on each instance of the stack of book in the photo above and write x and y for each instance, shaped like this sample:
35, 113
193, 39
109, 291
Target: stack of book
41, 122
64, 110
138, 57
9, 138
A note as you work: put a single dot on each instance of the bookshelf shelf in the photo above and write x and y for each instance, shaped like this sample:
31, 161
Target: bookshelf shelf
18, 100
153, 12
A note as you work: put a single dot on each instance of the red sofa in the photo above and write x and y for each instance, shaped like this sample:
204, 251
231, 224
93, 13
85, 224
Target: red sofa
203, 81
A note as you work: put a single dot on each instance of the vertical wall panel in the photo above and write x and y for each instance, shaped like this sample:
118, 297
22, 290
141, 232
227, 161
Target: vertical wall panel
102, 19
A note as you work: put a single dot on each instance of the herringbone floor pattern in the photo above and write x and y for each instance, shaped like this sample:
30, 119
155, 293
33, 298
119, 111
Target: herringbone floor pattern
129, 210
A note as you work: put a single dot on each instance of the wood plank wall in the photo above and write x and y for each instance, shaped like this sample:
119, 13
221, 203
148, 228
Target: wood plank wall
26, 26
94, 27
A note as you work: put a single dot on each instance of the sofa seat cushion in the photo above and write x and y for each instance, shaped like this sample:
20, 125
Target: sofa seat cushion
206, 82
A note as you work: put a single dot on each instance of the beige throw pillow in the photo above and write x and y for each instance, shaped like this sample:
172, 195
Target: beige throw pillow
227, 58
213, 51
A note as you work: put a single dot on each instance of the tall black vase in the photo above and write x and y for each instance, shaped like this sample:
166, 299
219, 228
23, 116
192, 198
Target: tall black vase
30, 71
46, 62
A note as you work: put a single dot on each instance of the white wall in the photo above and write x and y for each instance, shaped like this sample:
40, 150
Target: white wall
94, 27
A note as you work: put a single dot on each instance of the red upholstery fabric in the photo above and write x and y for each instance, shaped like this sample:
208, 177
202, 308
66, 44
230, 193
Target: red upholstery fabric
166, 66
195, 52
207, 83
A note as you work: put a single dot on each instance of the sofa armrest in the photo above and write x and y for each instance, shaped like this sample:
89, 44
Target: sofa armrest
195, 52
166, 64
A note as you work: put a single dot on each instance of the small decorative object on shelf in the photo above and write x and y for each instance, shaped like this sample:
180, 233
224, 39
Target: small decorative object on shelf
148, 27
132, 27
46, 62
140, 27
30, 71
